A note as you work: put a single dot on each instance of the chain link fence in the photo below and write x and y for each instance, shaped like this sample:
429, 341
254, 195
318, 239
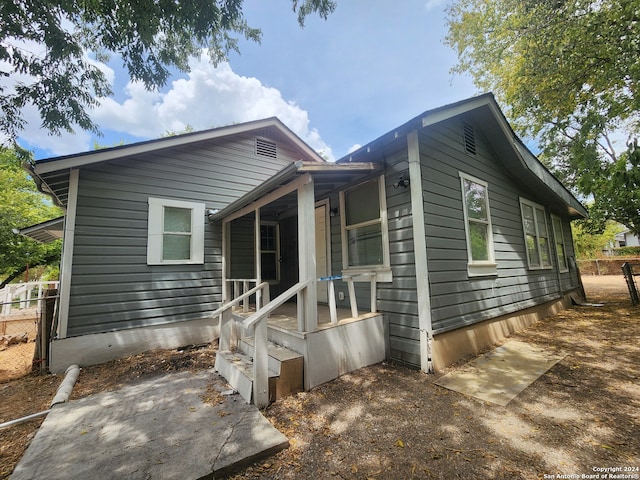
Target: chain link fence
602, 266
20, 314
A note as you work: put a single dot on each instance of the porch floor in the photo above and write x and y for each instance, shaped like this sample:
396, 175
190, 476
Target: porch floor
286, 316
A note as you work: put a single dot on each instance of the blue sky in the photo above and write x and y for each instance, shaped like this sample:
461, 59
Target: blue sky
337, 83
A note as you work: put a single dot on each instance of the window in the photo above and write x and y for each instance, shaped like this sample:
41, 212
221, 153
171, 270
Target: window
269, 252
175, 232
558, 236
364, 227
479, 234
536, 234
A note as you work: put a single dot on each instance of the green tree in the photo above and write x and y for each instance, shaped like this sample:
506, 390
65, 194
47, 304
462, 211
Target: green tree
22, 205
46, 44
568, 73
591, 243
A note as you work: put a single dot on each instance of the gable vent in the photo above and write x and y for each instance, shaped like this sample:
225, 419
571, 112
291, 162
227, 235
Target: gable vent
265, 149
469, 138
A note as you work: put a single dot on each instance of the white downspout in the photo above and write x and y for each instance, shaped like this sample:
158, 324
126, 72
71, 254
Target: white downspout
420, 251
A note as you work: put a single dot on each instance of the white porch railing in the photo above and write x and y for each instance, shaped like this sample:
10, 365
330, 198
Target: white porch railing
229, 340
21, 296
239, 287
352, 293
255, 324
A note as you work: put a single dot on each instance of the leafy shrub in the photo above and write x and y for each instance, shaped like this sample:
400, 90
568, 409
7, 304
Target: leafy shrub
627, 252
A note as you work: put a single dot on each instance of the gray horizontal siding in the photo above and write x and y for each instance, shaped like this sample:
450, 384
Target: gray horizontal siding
399, 299
112, 286
457, 299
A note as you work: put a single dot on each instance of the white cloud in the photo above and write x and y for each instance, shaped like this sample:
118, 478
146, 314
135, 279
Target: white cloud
208, 97
34, 136
354, 147
432, 4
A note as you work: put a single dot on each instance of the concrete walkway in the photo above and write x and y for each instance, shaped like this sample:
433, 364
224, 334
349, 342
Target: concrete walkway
176, 426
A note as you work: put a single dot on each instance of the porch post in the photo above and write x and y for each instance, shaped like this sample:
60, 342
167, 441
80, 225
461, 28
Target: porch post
258, 261
225, 245
308, 297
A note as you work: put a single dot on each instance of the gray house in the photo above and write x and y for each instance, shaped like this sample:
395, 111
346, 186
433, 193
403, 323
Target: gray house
432, 242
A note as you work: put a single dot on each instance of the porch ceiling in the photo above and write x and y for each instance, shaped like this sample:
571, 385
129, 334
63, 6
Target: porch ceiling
327, 178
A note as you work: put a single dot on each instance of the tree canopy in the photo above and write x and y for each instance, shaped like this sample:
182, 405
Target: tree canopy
48, 50
568, 74
22, 205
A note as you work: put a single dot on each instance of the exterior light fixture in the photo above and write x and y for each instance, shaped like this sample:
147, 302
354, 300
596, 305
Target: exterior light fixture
403, 181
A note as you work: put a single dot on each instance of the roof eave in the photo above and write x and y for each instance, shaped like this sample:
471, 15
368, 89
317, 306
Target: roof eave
43, 232
88, 158
530, 165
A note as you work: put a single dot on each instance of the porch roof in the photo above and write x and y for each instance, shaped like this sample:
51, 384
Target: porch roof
327, 177
45, 232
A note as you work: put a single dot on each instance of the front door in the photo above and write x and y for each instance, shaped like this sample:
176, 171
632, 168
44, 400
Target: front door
322, 257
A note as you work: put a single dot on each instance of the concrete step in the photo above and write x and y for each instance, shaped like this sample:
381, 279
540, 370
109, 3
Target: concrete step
285, 370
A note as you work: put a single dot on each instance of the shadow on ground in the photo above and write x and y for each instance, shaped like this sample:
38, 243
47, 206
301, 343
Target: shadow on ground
387, 421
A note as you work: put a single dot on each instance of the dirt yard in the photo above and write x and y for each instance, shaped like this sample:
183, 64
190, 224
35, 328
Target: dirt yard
16, 359
387, 421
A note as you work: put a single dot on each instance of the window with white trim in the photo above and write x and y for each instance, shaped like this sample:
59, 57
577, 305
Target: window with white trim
365, 237
478, 230
558, 236
175, 232
536, 235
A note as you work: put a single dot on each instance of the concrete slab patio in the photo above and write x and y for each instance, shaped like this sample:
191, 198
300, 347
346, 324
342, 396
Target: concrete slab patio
500, 375
173, 427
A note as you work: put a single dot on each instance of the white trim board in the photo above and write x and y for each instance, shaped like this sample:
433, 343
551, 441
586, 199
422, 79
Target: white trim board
67, 254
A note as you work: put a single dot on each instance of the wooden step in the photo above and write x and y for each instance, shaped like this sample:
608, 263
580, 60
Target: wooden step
285, 370
237, 369
287, 364
277, 353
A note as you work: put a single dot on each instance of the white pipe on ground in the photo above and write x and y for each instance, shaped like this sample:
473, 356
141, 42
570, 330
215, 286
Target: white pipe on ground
62, 395
65, 388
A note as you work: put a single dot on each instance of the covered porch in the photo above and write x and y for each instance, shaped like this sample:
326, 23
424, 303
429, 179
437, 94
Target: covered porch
282, 286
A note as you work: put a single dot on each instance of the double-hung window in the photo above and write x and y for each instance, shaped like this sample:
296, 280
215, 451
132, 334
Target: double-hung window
175, 232
479, 234
558, 236
536, 235
365, 238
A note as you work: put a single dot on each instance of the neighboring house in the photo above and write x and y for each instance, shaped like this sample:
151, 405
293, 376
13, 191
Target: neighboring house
447, 229
626, 239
